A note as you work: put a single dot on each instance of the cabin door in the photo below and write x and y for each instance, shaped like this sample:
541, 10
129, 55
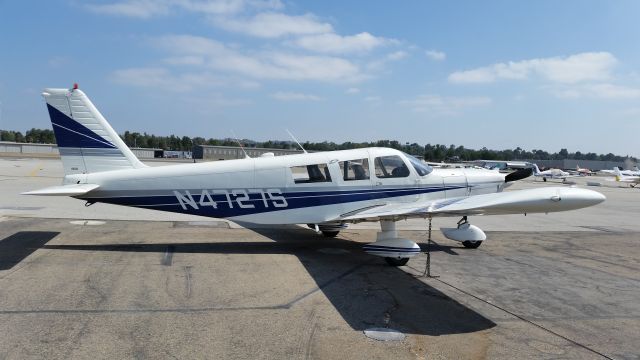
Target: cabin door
455, 185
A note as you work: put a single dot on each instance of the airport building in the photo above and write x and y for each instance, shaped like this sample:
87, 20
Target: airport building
8, 148
13, 148
212, 153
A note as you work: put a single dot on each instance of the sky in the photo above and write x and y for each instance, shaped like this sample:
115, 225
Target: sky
498, 74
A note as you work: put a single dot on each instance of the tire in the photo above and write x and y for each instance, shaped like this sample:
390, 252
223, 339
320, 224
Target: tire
327, 233
544, 179
396, 262
471, 244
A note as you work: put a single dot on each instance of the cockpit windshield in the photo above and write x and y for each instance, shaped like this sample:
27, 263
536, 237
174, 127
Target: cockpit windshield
421, 168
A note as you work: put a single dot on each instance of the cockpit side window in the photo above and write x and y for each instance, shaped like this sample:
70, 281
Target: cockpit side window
390, 167
315, 173
357, 169
421, 168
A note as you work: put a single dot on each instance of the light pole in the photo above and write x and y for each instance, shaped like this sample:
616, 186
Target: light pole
192, 148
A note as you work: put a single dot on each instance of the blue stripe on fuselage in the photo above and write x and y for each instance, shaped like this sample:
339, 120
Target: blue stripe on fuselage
295, 200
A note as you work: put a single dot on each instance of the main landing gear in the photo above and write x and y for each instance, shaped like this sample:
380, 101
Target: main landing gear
329, 230
330, 234
395, 251
396, 261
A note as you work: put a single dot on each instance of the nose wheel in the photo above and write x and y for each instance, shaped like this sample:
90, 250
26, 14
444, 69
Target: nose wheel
471, 244
469, 235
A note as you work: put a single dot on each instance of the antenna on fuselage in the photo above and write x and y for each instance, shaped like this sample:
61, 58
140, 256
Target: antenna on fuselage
246, 156
296, 140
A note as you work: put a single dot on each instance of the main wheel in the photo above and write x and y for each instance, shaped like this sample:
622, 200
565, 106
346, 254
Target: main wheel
471, 244
396, 262
327, 233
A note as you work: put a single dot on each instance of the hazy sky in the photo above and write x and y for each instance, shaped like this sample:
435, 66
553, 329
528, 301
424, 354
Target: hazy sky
535, 74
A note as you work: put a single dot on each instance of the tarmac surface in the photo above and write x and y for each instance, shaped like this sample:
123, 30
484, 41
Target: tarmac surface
112, 282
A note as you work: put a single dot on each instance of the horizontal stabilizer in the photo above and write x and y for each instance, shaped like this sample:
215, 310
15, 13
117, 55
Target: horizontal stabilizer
64, 190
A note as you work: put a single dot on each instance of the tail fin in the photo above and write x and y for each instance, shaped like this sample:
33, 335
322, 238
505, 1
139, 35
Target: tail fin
86, 141
618, 173
536, 170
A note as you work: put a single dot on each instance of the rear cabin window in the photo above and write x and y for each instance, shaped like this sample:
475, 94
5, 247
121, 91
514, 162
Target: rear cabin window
390, 167
315, 173
355, 169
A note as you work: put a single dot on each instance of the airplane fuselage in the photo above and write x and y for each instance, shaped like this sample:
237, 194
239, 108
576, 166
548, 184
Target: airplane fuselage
303, 188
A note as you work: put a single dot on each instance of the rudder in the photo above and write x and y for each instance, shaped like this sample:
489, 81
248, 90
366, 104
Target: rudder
86, 141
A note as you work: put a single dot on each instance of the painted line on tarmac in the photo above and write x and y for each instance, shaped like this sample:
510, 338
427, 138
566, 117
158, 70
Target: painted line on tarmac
284, 306
35, 171
585, 347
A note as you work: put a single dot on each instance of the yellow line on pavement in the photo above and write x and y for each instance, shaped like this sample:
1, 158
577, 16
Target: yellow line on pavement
34, 172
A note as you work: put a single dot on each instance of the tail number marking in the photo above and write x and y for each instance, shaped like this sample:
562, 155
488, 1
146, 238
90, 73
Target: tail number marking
231, 198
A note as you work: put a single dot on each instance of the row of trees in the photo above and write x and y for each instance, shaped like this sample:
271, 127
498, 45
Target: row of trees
37, 136
429, 152
446, 153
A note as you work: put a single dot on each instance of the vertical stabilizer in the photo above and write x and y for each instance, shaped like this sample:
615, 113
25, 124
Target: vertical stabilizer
536, 170
86, 141
618, 173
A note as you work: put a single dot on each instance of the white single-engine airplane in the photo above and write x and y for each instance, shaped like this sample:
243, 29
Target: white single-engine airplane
551, 174
616, 170
632, 180
327, 190
581, 171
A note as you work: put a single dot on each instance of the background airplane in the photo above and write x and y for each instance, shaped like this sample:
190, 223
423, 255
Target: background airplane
551, 174
634, 172
327, 190
632, 180
581, 171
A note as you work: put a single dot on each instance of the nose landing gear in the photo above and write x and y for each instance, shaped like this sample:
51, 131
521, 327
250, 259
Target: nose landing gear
469, 235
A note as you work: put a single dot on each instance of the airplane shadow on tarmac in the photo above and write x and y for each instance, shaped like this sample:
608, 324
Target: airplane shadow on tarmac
365, 291
15, 248
369, 293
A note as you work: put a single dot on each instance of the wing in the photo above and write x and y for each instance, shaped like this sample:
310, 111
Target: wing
540, 200
64, 190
